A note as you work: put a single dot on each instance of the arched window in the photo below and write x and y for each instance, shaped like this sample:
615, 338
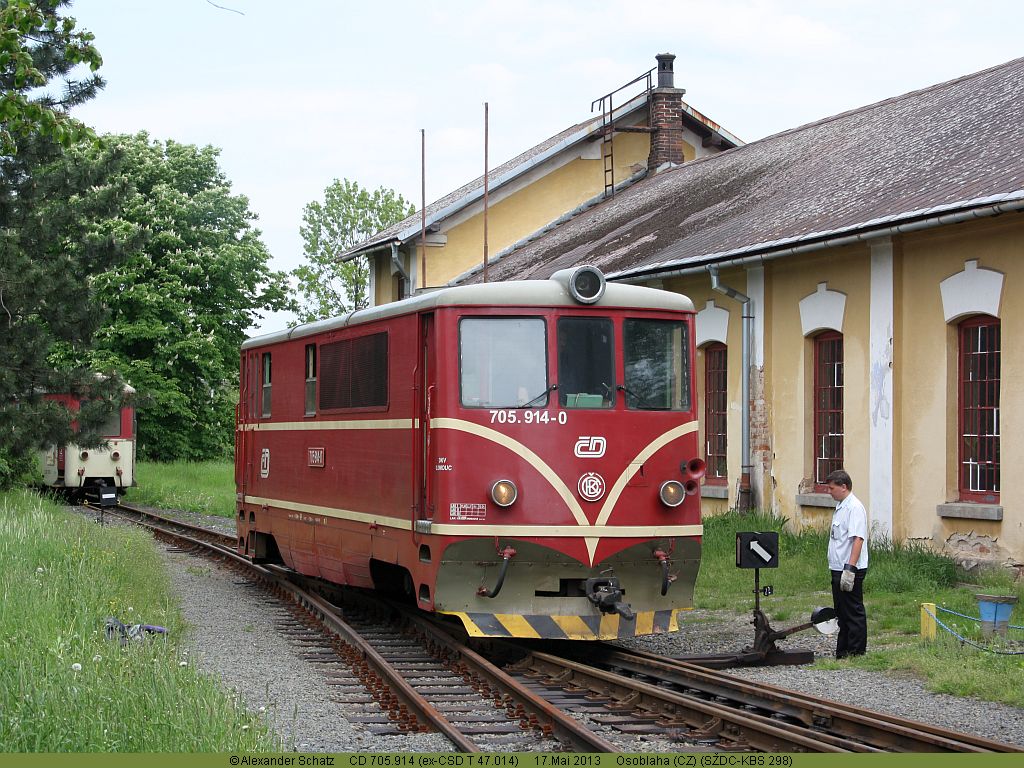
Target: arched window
716, 406
978, 388
828, 406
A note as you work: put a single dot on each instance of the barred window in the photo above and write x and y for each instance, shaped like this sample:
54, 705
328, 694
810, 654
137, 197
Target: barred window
828, 406
979, 374
354, 373
715, 412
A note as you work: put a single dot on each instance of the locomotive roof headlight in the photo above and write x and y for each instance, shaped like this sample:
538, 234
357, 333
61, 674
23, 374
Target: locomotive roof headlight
672, 493
504, 493
586, 284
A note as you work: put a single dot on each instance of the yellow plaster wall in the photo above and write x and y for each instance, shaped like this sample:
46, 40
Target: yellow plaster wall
924, 376
789, 375
926, 369
531, 208
698, 289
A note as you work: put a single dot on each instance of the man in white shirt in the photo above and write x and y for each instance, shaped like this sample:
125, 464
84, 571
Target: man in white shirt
848, 562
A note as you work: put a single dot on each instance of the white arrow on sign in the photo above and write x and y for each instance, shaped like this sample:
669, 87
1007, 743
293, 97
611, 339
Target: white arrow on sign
760, 551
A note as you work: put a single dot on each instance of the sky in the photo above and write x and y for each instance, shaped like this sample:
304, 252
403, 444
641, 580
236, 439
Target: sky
297, 94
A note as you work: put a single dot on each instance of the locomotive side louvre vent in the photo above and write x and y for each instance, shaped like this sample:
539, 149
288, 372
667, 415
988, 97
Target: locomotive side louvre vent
354, 373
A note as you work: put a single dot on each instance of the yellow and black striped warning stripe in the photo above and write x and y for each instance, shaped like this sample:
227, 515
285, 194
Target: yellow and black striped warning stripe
594, 627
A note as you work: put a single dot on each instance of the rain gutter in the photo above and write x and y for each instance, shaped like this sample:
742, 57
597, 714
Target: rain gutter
753, 255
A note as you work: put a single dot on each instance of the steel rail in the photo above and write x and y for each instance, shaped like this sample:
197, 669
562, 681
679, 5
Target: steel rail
223, 539
746, 729
411, 701
539, 712
395, 680
549, 718
838, 717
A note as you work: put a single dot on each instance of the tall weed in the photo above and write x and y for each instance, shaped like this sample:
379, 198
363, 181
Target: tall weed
64, 687
207, 487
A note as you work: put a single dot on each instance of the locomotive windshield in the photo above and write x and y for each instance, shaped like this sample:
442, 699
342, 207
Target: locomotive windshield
503, 362
586, 362
657, 371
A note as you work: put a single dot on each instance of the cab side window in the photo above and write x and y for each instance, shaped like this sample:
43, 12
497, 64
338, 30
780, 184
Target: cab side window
266, 385
586, 362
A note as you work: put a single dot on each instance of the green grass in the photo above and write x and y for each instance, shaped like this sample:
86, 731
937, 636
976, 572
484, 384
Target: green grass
901, 577
63, 686
207, 487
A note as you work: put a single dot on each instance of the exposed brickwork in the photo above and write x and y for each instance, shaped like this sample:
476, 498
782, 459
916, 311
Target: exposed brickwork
761, 454
667, 121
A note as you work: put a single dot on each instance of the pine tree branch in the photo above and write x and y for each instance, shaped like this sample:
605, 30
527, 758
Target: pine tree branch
10, 317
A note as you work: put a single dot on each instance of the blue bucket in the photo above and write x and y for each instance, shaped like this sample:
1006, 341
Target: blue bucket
995, 611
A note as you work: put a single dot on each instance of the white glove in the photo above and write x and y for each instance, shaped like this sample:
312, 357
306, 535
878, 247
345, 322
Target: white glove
846, 581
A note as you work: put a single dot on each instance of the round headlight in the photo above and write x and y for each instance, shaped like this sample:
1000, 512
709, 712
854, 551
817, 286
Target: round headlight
83, 455
504, 493
672, 493
115, 455
586, 284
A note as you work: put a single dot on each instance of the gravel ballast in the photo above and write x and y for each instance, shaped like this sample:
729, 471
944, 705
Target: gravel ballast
235, 638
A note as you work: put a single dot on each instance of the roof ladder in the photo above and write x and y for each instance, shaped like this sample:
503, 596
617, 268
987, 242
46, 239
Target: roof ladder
608, 128
608, 146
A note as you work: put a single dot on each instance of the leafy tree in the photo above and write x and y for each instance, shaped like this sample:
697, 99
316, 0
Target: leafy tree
37, 45
180, 300
57, 228
348, 215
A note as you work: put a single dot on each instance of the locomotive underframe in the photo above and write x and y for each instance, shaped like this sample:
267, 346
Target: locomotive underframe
545, 593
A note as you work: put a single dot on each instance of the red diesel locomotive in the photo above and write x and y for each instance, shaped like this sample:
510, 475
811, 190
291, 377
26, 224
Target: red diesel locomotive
519, 455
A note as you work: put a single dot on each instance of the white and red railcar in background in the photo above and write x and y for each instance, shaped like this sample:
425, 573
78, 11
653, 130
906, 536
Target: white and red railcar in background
104, 472
520, 455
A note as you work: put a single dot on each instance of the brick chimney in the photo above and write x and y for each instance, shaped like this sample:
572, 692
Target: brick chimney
666, 116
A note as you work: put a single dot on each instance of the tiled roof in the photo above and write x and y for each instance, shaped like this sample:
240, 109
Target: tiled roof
942, 148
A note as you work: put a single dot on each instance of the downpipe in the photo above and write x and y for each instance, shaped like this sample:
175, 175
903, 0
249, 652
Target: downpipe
744, 496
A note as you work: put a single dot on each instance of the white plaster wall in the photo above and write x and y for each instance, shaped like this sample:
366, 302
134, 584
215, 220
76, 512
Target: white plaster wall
880, 429
823, 309
973, 291
712, 324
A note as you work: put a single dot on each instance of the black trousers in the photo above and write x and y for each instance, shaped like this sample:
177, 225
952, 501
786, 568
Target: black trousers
853, 619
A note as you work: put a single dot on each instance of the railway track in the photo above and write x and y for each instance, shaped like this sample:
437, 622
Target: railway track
415, 674
645, 693
419, 677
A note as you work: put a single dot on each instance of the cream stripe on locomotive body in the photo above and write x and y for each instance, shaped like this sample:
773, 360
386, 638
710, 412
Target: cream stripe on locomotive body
325, 426
456, 529
592, 533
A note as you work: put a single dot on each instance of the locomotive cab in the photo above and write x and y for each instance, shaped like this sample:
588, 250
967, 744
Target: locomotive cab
570, 468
